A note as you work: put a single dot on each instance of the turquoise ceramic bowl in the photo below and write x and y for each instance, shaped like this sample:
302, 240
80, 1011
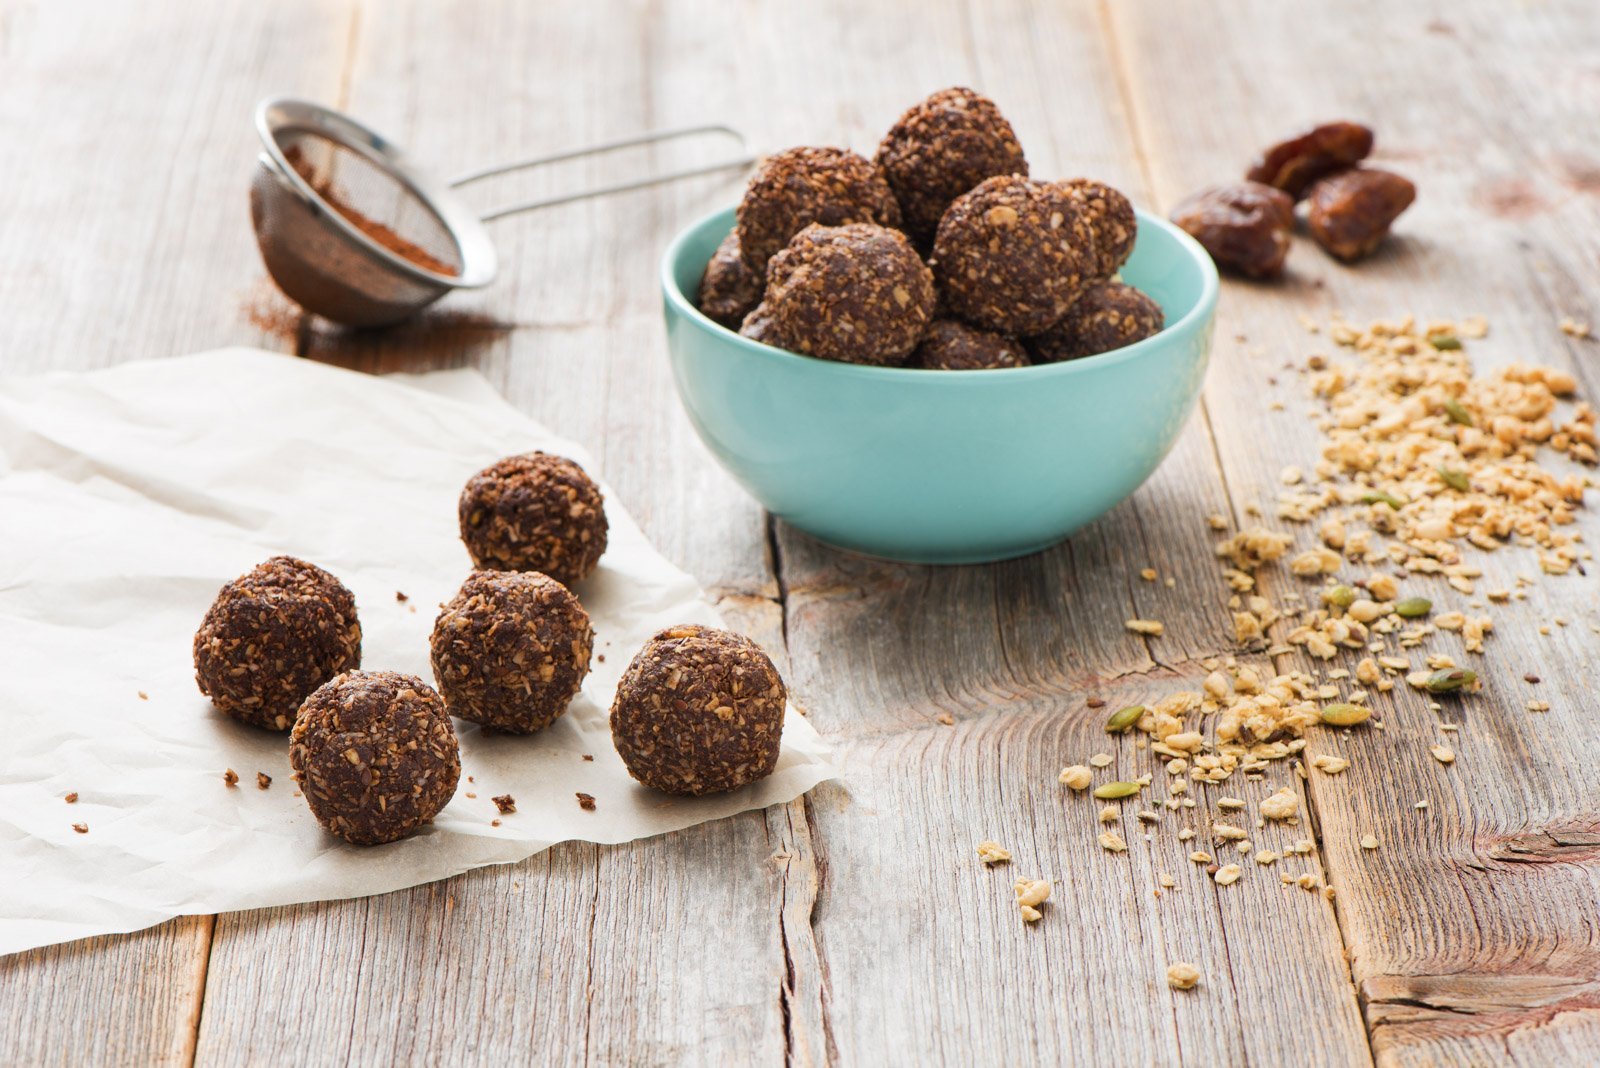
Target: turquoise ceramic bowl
944, 467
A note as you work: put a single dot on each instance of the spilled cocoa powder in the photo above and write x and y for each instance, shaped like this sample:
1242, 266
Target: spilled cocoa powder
380, 233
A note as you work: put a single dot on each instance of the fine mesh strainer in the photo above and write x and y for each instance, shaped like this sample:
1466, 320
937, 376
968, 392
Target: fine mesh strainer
352, 231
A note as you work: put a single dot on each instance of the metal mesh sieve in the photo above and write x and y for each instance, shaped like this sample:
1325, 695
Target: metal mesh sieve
351, 231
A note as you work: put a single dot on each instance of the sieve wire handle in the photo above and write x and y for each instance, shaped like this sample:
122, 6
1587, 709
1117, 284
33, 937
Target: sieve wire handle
735, 163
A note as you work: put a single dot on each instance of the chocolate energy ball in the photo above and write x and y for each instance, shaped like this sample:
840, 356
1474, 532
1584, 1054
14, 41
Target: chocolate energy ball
800, 186
955, 346
1108, 316
272, 636
511, 650
857, 294
729, 290
375, 755
1012, 255
1111, 219
940, 149
534, 512
699, 711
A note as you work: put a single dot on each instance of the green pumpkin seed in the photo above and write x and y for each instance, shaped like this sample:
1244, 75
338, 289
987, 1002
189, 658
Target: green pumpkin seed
1457, 413
1451, 680
1116, 791
1122, 720
1444, 342
1380, 497
1340, 596
1344, 714
1456, 480
1413, 607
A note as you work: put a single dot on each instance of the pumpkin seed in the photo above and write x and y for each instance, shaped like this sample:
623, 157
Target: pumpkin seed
1451, 680
1123, 719
1456, 480
1380, 497
1457, 413
1344, 714
1444, 342
1115, 791
1413, 607
1340, 596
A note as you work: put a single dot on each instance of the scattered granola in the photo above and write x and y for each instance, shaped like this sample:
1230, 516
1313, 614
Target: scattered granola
1183, 976
505, 803
1112, 842
1151, 627
1075, 777
992, 853
1443, 754
1369, 841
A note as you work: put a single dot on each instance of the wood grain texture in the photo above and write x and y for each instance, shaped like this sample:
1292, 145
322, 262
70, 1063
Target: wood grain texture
856, 925
1471, 930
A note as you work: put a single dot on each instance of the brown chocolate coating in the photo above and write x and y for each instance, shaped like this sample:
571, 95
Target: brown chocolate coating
940, 149
511, 650
534, 512
375, 755
1012, 255
955, 346
1107, 316
729, 290
857, 294
800, 186
699, 711
272, 636
1111, 219
757, 326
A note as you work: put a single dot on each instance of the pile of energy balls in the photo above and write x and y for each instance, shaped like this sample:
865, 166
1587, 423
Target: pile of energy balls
940, 253
698, 710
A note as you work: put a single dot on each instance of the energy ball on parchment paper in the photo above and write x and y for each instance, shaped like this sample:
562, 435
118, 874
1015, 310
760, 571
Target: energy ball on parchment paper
955, 346
1111, 220
1012, 255
729, 290
856, 293
1108, 316
940, 149
375, 755
800, 186
534, 512
699, 711
272, 636
511, 650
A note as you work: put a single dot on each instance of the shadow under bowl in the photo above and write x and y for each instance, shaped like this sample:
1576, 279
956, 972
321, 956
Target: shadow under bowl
944, 467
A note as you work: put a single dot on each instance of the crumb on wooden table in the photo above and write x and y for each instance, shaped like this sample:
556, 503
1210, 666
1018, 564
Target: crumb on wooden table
1183, 976
991, 853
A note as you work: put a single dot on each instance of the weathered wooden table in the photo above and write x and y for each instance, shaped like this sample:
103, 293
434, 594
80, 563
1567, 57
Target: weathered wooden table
855, 925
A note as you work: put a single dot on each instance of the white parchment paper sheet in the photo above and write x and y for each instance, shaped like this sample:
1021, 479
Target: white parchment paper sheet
129, 496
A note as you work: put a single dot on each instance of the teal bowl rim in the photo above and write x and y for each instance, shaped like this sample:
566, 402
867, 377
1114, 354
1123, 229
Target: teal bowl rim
1210, 287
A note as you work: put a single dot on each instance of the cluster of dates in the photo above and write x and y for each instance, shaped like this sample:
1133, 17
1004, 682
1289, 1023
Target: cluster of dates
1246, 225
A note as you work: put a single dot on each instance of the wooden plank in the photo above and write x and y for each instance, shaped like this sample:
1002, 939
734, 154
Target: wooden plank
662, 950
1471, 929
123, 167
1009, 653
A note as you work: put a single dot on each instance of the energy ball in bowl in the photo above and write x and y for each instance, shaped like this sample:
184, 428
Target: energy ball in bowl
271, 637
1012, 255
699, 711
1108, 316
800, 186
729, 290
955, 346
511, 650
375, 755
534, 512
856, 294
940, 149
1111, 219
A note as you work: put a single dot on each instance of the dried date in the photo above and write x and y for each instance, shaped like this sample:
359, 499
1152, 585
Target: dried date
1245, 226
1295, 165
1351, 212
